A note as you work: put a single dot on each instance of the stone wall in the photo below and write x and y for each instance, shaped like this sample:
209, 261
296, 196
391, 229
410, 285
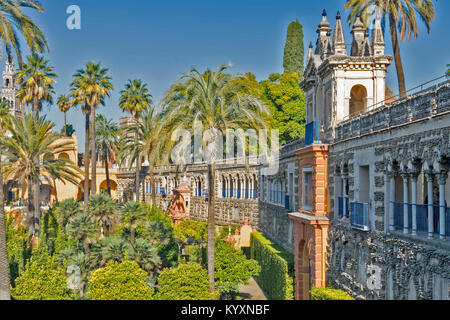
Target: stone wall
370, 265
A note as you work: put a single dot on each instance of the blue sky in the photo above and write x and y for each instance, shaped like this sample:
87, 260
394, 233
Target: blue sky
157, 41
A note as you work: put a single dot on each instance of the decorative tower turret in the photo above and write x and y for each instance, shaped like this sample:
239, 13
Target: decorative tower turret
339, 47
9, 90
324, 46
377, 39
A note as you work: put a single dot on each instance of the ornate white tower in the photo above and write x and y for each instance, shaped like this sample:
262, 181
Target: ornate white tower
339, 86
9, 89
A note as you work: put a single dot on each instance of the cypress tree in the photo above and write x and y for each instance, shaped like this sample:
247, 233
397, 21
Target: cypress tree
294, 49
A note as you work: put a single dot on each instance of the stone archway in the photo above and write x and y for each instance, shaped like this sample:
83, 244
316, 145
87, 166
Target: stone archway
358, 100
303, 285
80, 193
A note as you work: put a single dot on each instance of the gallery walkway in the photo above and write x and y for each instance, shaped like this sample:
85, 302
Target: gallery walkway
252, 291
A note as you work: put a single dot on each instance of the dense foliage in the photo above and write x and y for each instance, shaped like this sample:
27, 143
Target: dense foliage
294, 50
42, 280
277, 268
119, 281
287, 105
191, 230
329, 294
186, 282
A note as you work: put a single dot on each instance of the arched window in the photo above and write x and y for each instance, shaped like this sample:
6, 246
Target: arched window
358, 100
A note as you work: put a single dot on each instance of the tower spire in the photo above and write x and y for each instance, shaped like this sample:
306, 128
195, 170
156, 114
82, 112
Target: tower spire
378, 44
339, 46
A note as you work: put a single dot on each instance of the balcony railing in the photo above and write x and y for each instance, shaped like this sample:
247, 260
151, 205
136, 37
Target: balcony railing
421, 218
359, 215
312, 133
343, 207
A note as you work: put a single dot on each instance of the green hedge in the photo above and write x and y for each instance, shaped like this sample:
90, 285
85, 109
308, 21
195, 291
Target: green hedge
329, 294
277, 267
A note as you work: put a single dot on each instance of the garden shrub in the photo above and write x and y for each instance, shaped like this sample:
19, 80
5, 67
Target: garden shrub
277, 267
119, 281
191, 229
329, 294
42, 279
187, 281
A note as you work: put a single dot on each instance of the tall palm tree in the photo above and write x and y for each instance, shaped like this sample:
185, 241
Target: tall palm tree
132, 213
107, 144
26, 152
102, 210
64, 105
135, 98
35, 80
146, 139
216, 100
92, 85
146, 255
402, 17
5, 119
16, 23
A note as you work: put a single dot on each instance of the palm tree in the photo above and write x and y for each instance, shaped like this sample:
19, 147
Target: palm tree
146, 139
82, 228
216, 100
35, 80
15, 22
5, 119
135, 99
64, 105
66, 210
132, 213
102, 210
402, 16
28, 158
146, 255
92, 85
115, 249
107, 143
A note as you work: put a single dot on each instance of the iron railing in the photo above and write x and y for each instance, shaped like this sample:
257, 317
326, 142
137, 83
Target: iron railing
312, 132
359, 215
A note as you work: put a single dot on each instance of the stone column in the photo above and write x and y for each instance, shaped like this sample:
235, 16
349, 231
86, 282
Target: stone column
414, 177
391, 200
442, 179
345, 182
405, 177
386, 202
336, 196
429, 175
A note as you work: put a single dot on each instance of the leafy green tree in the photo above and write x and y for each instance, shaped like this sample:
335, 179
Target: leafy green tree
18, 250
92, 85
102, 210
132, 213
191, 229
447, 73
287, 105
185, 282
107, 143
35, 80
43, 279
136, 98
232, 269
83, 229
294, 51
217, 101
119, 281
402, 17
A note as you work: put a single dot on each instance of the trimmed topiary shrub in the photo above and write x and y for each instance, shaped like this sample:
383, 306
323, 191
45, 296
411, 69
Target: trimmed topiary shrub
277, 267
119, 281
329, 294
42, 280
187, 281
